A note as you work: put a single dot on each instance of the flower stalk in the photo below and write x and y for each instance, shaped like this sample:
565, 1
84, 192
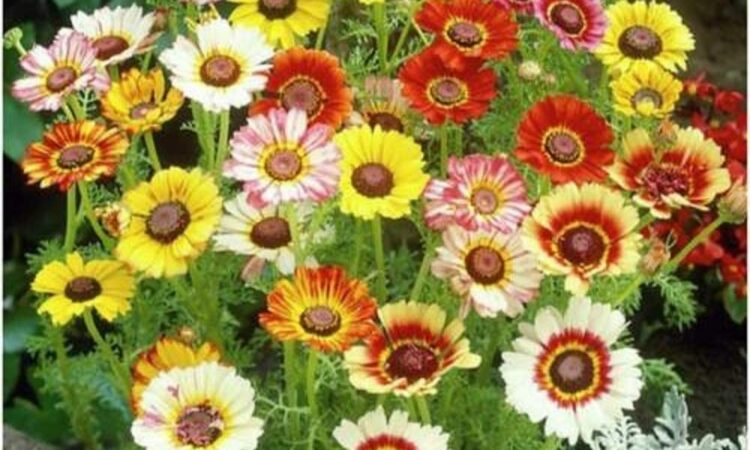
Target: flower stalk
377, 239
153, 156
122, 377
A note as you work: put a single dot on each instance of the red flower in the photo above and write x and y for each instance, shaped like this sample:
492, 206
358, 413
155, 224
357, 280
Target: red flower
731, 137
519, 6
311, 80
730, 102
733, 271
469, 28
699, 87
447, 88
565, 138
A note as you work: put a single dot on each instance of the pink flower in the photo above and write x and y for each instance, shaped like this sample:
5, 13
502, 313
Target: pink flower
481, 192
66, 66
280, 159
579, 24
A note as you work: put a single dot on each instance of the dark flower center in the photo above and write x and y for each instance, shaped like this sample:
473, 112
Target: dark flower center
271, 233
568, 17
220, 71
485, 265
640, 42
81, 289
665, 180
447, 92
302, 94
386, 441
582, 246
109, 46
75, 156
386, 121
61, 78
320, 320
140, 110
572, 371
484, 200
199, 426
647, 95
562, 147
167, 221
372, 180
283, 165
411, 361
465, 34
277, 9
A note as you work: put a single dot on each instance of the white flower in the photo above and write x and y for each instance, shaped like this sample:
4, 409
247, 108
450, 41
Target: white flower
374, 430
563, 370
117, 34
208, 405
224, 69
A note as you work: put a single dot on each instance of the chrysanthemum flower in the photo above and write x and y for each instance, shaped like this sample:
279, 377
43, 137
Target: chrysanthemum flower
320, 307
564, 371
117, 34
310, 80
166, 354
224, 69
381, 104
579, 24
412, 351
644, 31
468, 28
519, 6
103, 285
54, 72
173, 216
481, 192
261, 233
140, 102
375, 431
205, 406
443, 88
282, 21
646, 90
492, 272
382, 172
564, 138
688, 172
583, 231
73, 152
280, 159
114, 218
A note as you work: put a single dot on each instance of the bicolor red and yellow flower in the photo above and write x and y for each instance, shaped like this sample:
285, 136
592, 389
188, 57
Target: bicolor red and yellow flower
376, 431
685, 172
322, 308
581, 232
411, 351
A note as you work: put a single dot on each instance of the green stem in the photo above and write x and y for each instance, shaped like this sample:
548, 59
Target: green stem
402, 37
320, 38
122, 376
114, 72
424, 268
205, 138
444, 149
71, 223
696, 241
489, 352
377, 240
75, 105
378, 16
68, 112
146, 61
354, 269
151, 148
291, 384
424, 410
107, 241
290, 213
634, 284
223, 141
312, 365
409, 404
644, 222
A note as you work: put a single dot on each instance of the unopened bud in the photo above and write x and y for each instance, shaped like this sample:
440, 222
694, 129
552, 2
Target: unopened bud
733, 205
529, 70
114, 218
161, 19
549, 78
12, 39
187, 335
656, 256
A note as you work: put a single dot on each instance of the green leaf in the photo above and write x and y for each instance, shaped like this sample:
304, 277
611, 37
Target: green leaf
20, 127
735, 307
11, 372
19, 324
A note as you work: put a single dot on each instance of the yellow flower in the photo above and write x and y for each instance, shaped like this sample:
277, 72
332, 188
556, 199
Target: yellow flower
77, 286
381, 172
282, 20
644, 31
172, 219
139, 102
646, 90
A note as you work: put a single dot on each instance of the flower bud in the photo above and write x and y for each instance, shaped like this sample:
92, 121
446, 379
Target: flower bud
656, 256
114, 218
529, 70
187, 335
733, 205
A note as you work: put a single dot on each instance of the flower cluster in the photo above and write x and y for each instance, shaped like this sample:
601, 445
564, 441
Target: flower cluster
323, 150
